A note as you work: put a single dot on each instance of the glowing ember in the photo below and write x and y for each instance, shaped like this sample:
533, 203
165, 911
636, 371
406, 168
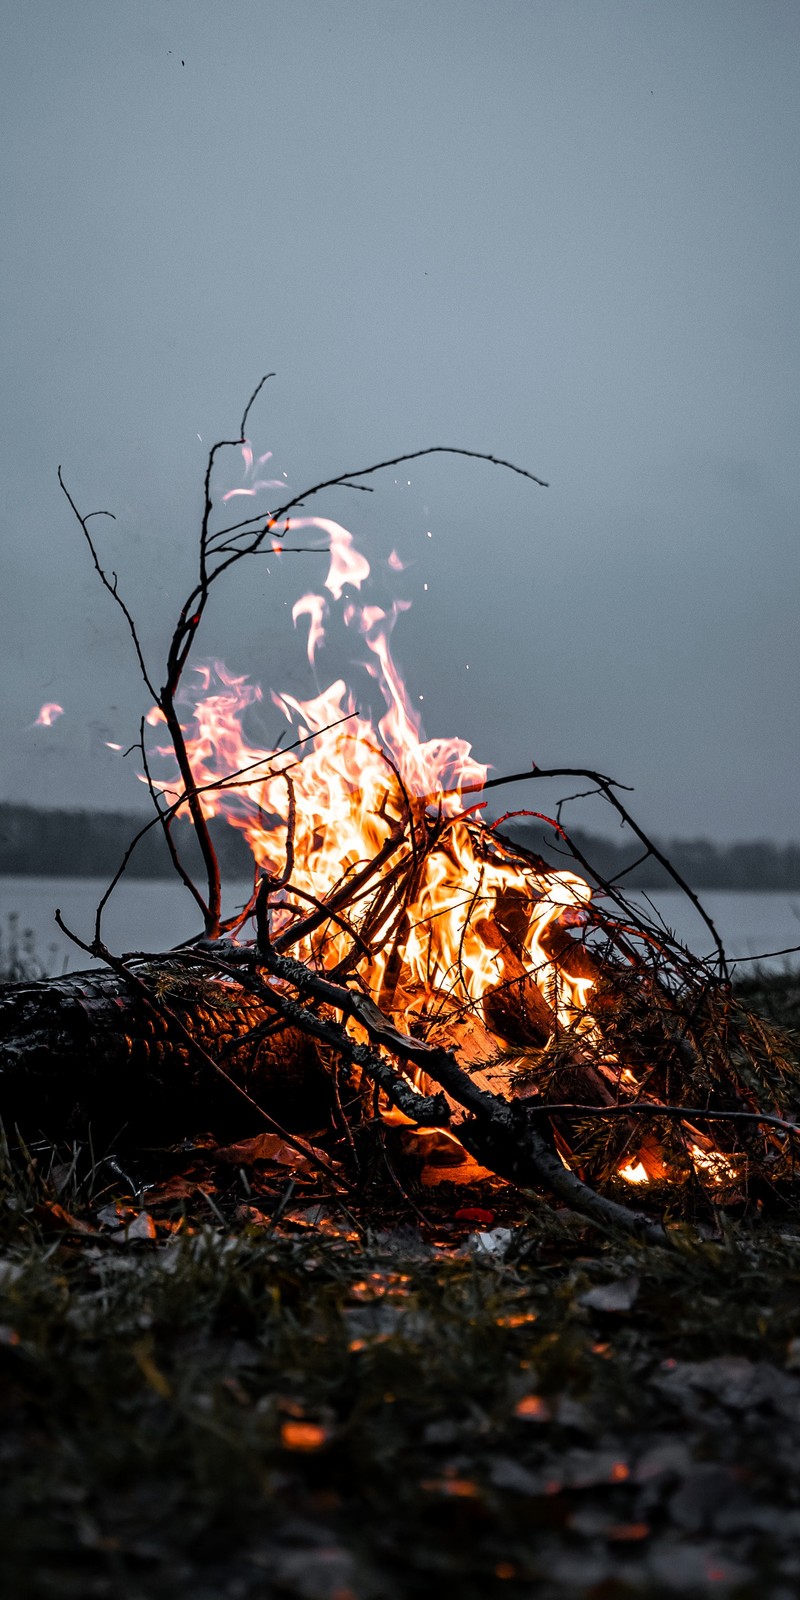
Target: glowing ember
634, 1172
712, 1164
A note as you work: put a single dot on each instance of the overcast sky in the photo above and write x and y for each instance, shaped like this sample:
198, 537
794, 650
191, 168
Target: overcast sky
563, 232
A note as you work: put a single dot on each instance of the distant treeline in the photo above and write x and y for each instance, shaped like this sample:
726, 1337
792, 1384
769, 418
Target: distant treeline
752, 864
90, 844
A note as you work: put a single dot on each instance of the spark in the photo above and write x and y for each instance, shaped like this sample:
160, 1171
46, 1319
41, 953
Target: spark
48, 714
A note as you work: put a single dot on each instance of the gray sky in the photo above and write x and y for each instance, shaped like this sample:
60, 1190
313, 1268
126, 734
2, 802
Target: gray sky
563, 232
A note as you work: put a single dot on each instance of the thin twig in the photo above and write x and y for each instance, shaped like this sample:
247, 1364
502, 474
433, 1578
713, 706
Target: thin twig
109, 583
654, 1108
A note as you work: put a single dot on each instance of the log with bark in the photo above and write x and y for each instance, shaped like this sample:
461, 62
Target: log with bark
90, 1052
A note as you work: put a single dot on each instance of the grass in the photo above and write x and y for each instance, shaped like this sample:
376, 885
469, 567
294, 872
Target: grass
207, 1395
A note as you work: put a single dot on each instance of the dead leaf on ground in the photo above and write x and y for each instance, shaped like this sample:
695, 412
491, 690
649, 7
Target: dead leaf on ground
262, 1147
533, 1408
617, 1296
115, 1215
734, 1382
321, 1218
176, 1188
585, 1469
453, 1488
139, 1227
303, 1436
506, 1473
53, 1215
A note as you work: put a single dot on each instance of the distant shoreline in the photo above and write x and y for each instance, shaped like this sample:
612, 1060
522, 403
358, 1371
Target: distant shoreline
50, 842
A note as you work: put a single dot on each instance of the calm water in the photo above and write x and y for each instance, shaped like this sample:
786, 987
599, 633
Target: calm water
153, 914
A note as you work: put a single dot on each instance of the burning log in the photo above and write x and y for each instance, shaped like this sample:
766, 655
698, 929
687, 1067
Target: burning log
515, 1008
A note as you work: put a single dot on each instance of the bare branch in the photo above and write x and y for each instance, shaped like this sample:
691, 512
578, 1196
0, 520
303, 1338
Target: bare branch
251, 402
109, 583
275, 516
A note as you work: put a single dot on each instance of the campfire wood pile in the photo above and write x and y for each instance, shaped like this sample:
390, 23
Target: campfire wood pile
241, 1035
402, 963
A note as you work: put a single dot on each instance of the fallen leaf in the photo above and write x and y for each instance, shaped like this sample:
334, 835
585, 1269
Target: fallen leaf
325, 1573
584, 1469
533, 1408
115, 1215
494, 1243
55, 1215
321, 1218
669, 1458
618, 1295
506, 1473
571, 1413
303, 1436
140, 1227
262, 1147
176, 1188
690, 1568
733, 1381
454, 1488
60, 1174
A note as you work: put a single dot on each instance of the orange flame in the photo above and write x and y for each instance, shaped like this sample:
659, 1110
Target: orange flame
355, 785
360, 790
48, 714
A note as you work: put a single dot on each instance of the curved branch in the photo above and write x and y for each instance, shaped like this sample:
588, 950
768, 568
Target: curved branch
107, 582
341, 478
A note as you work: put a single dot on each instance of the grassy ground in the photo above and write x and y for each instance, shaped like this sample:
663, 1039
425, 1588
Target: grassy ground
215, 1386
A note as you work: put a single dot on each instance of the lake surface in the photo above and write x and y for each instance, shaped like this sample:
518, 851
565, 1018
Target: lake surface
153, 914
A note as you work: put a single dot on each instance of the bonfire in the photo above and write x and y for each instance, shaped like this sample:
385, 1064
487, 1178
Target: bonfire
498, 1016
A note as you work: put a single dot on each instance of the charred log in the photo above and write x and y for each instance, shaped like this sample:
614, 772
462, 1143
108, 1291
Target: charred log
88, 1051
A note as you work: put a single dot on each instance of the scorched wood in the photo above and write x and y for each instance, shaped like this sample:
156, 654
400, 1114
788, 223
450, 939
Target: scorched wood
88, 1052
